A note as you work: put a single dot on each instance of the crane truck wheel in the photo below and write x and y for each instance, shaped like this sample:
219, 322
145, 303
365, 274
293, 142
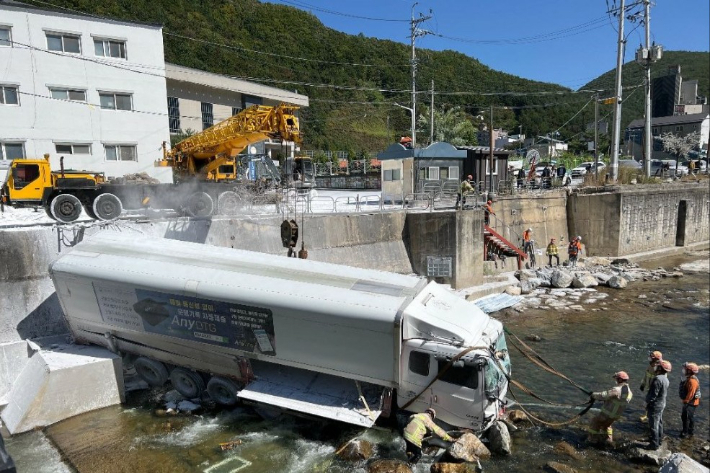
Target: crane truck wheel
199, 204
229, 203
223, 390
107, 207
151, 371
65, 208
186, 382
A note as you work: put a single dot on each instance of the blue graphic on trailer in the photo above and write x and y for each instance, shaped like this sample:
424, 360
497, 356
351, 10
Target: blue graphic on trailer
220, 323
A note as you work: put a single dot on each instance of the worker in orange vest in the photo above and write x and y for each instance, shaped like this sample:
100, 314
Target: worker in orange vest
689, 392
527, 237
575, 246
487, 212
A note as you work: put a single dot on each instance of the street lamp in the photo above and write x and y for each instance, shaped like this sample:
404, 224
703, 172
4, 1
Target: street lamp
411, 111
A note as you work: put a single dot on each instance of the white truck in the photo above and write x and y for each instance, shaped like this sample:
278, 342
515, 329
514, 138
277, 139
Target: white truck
295, 335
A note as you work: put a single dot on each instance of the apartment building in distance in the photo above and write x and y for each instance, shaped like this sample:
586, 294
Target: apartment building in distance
89, 89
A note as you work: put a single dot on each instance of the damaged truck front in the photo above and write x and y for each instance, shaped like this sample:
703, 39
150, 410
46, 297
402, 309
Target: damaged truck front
315, 338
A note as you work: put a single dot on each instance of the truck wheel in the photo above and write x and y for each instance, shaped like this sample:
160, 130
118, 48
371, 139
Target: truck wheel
89, 210
199, 204
151, 371
186, 382
107, 207
223, 390
229, 203
66, 208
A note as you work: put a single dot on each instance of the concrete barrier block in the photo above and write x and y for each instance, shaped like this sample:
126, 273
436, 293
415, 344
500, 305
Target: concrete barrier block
13, 358
62, 383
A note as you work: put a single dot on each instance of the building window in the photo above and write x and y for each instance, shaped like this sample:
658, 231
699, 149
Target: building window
5, 36
114, 101
10, 151
495, 166
654, 131
433, 173
236, 110
174, 114
64, 42
69, 94
110, 48
71, 148
121, 153
679, 128
9, 95
207, 117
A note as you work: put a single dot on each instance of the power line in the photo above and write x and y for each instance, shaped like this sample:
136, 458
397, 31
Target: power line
333, 12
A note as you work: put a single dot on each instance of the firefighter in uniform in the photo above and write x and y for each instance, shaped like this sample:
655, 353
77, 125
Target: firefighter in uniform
615, 401
416, 430
654, 359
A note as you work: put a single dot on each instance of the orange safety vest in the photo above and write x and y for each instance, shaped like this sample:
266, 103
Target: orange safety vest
526, 235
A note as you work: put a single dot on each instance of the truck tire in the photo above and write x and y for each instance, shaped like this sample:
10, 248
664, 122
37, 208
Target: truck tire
223, 390
107, 207
229, 203
199, 204
65, 208
186, 382
151, 371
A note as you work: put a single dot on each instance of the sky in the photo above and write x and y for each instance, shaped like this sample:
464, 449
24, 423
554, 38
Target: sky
568, 42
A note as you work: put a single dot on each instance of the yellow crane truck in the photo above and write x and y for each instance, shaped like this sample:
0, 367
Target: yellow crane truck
207, 169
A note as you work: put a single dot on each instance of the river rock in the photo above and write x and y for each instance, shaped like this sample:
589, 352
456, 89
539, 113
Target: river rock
513, 290
188, 406
529, 285
499, 438
620, 261
532, 338
674, 274
682, 463
453, 468
556, 467
649, 457
524, 274
584, 280
602, 277
468, 448
561, 279
388, 466
516, 416
356, 450
617, 282
563, 448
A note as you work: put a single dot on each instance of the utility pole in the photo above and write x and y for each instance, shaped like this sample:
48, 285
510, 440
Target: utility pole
596, 137
646, 56
616, 130
415, 33
490, 155
431, 115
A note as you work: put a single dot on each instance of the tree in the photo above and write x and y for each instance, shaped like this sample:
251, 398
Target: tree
679, 146
452, 126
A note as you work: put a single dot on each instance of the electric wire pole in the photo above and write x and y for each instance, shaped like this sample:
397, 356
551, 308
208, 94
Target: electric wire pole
648, 134
415, 33
616, 130
431, 115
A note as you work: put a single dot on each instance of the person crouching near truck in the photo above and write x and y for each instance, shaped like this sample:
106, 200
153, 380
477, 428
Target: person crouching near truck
689, 392
415, 431
615, 401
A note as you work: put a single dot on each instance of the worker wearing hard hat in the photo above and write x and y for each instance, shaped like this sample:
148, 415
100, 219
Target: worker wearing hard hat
656, 403
654, 359
465, 189
615, 401
487, 212
689, 392
527, 240
417, 428
573, 250
552, 252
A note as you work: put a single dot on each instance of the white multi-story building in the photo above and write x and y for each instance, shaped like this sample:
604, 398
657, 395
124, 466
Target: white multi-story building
89, 89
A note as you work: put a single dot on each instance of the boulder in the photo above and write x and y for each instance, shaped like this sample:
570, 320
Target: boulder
513, 290
499, 438
617, 282
649, 457
468, 448
516, 416
529, 285
584, 280
453, 468
563, 448
620, 261
561, 279
388, 466
355, 450
532, 338
602, 277
682, 463
524, 274
556, 467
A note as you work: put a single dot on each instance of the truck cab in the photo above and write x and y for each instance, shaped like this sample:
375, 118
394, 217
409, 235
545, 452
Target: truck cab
26, 182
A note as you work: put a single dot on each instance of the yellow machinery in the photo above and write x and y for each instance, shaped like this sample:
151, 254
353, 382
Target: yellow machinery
211, 155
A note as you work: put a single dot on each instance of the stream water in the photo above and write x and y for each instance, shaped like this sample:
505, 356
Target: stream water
614, 333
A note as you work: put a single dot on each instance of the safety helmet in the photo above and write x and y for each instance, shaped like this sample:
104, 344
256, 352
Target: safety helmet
655, 356
431, 412
579, 238
666, 366
489, 202
621, 375
469, 177
529, 229
551, 240
692, 367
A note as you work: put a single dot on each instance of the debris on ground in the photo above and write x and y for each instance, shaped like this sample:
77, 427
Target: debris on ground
230, 445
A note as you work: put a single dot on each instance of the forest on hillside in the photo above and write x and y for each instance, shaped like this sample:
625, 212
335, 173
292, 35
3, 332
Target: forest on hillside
353, 81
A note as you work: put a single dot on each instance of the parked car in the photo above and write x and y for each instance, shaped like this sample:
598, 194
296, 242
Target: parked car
584, 168
630, 164
667, 168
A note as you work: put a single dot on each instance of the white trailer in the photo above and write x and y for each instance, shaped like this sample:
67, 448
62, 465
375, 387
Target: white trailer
316, 338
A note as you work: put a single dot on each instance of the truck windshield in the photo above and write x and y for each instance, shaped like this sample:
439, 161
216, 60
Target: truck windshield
495, 379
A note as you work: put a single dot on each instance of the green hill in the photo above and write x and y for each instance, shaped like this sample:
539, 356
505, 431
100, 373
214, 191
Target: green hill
351, 105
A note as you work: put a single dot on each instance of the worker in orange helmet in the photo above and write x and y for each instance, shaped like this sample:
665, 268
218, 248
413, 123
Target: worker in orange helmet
656, 403
654, 359
466, 188
689, 392
615, 401
487, 212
